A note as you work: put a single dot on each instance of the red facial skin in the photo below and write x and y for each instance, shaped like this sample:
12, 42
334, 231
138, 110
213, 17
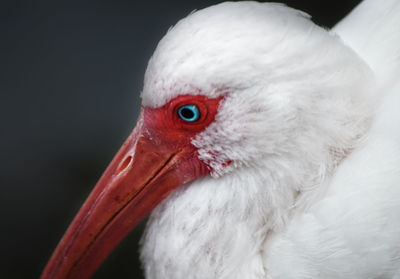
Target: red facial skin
156, 159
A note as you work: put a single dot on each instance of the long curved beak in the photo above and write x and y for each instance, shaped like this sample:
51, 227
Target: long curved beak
141, 175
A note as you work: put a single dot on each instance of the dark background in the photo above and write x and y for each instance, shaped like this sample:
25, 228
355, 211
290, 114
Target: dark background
71, 74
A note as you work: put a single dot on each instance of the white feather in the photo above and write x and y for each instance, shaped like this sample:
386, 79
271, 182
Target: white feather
372, 30
313, 191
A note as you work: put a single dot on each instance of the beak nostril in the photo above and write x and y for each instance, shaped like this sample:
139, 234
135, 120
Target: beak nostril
124, 164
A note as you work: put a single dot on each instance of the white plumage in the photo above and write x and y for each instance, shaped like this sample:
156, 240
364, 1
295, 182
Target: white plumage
310, 122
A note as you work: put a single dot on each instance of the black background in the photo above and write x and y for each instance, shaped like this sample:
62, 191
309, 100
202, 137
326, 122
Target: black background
71, 74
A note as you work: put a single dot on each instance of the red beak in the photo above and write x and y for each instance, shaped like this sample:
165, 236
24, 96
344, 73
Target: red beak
140, 176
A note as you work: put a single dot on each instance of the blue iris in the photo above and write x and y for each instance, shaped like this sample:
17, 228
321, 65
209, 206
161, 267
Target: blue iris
189, 113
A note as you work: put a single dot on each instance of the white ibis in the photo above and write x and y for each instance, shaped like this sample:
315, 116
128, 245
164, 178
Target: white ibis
267, 147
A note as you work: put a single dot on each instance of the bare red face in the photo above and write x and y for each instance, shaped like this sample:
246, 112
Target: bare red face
156, 159
169, 127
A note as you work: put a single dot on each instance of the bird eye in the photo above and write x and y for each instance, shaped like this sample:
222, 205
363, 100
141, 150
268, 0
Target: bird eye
189, 113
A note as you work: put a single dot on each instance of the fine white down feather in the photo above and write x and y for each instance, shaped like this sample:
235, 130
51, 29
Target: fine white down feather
313, 190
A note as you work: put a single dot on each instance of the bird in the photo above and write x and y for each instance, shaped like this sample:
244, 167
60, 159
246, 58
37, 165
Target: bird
266, 147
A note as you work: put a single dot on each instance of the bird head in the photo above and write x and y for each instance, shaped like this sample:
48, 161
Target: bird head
233, 86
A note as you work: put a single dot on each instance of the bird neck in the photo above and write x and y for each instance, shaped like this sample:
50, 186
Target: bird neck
217, 226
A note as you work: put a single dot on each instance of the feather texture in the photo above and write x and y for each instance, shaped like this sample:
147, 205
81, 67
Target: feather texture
313, 190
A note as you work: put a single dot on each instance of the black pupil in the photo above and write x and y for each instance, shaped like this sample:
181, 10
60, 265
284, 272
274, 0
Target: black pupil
187, 113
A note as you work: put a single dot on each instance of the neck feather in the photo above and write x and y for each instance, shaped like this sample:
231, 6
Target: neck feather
216, 227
